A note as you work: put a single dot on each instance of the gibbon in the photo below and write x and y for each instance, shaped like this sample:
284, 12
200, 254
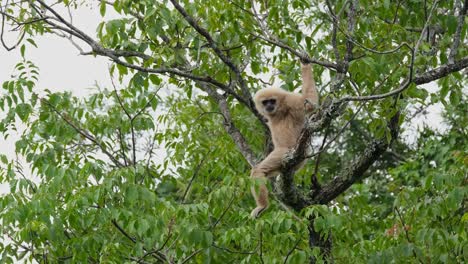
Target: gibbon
285, 112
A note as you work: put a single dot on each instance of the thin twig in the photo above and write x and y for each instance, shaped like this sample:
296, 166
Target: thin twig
234, 252
224, 212
225, 58
195, 174
132, 128
22, 34
84, 133
313, 178
292, 249
404, 227
261, 246
191, 255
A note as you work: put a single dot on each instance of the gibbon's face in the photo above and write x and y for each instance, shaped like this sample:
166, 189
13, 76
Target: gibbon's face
270, 105
269, 101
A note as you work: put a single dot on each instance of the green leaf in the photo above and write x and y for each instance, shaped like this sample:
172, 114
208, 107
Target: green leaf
23, 111
22, 49
102, 8
298, 257
454, 97
30, 40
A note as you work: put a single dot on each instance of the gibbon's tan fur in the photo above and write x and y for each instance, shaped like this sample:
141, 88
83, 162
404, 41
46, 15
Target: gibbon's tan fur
285, 112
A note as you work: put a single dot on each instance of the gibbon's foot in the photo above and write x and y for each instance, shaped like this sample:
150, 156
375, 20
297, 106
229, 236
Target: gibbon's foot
257, 211
308, 104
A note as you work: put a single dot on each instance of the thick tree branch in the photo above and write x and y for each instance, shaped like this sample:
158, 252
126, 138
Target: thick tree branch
352, 173
230, 127
285, 187
441, 71
114, 55
351, 27
321, 119
355, 171
463, 8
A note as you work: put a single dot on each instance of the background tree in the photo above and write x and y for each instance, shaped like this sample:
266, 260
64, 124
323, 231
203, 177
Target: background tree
104, 197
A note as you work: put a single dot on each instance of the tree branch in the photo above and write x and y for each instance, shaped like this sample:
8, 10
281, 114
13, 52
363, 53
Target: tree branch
230, 127
158, 255
195, 174
84, 133
226, 59
441, 71
272, 39
285, 187
356, 169
460, 21
21, 36
351, 25
302, 55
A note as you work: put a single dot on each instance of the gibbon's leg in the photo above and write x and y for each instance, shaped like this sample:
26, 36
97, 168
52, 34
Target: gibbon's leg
309, 91
267, 168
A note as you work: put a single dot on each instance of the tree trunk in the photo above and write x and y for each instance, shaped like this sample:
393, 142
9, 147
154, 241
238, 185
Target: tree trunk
316, 239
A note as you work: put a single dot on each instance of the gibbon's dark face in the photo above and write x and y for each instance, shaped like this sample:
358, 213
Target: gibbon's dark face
269, 105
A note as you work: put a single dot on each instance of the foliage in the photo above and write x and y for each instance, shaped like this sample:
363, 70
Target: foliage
415, 211
148, 170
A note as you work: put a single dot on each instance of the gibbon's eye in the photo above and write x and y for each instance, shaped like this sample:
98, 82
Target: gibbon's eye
269, 102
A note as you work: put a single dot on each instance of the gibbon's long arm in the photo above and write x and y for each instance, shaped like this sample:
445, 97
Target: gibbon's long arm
309, 91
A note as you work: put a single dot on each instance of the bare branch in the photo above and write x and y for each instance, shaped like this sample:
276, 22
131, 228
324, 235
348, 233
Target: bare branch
2, 30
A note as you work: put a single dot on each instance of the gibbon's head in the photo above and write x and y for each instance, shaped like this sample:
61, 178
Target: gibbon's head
268, 101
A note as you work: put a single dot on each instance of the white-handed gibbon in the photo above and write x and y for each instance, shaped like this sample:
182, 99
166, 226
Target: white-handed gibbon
285, 112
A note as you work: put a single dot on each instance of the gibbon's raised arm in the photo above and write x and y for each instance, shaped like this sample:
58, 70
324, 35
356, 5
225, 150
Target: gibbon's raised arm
309, 91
